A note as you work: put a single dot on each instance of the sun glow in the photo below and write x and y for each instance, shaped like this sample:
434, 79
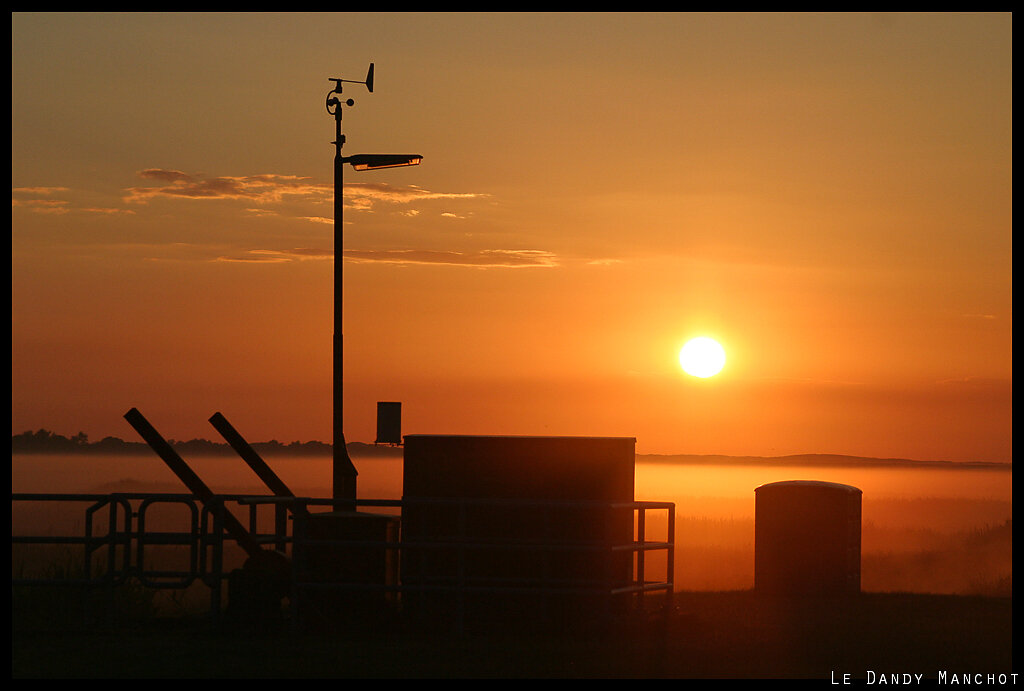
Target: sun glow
702, 357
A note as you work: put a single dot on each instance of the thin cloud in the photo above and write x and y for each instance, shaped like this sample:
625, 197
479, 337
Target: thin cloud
29, 198
110, 211
480, 259
165, 175
42, 206
270, 213
278, 256
310, 253
382, 191
254, 258
259, 188
272, 188
38, 190
40, 200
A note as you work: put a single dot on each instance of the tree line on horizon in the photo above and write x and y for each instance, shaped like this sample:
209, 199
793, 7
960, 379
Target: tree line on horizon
44, 441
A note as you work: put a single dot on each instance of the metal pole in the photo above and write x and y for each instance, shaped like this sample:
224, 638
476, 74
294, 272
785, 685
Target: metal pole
344, 472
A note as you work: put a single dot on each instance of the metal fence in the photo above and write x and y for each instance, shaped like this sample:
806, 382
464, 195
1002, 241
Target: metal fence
124, 534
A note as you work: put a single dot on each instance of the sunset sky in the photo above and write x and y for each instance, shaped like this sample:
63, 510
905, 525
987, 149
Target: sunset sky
827, 195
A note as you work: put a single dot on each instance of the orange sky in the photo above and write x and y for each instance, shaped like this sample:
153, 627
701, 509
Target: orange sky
827, 195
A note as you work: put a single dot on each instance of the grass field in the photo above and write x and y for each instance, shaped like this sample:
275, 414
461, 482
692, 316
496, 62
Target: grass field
733, 634
936, 576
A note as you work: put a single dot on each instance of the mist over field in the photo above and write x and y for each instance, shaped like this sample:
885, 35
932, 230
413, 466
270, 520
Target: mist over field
926, 527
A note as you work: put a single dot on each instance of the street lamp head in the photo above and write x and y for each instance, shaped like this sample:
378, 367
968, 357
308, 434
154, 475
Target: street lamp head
377, 161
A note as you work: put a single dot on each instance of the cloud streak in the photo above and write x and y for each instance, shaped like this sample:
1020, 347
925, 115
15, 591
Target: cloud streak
273, 188
41, 200
258, 191
479, 258
365, 194
42, 206
278, 256
260, 188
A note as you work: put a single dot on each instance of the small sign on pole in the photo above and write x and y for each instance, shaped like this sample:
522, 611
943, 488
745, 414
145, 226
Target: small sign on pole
389, 422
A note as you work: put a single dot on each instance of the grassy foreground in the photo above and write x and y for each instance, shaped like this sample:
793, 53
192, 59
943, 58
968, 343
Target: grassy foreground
734, 634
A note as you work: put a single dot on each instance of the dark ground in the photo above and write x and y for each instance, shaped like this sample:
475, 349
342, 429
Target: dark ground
735, 634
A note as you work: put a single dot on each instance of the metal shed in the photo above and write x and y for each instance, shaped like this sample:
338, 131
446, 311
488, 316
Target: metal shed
509, 526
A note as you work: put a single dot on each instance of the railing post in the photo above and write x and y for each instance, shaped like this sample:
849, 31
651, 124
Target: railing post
111, 554
112, 542
641, 540
671, 572
281, 527
216, 511
460, 598
300, 532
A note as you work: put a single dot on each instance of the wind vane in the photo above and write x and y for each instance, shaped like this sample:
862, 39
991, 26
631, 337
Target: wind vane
344, 472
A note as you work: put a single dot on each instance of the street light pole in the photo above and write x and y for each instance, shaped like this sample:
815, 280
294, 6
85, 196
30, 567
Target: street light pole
344, 471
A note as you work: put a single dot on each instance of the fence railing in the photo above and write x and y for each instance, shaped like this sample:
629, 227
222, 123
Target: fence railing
367, 552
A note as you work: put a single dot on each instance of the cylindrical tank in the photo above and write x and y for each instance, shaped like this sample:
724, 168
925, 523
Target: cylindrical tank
807, 538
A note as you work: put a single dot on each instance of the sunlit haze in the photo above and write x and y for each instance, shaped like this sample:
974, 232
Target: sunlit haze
827, 195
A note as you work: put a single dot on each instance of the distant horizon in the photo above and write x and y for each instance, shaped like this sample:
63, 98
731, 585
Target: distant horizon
61, 444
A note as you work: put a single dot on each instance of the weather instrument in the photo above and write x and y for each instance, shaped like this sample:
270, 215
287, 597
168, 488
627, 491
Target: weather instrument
361, 161
344, 472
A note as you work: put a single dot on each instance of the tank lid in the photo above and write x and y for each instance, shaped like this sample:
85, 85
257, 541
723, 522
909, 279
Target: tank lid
809, 483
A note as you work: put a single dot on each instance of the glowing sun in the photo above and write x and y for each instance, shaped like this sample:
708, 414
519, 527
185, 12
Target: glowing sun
702, 357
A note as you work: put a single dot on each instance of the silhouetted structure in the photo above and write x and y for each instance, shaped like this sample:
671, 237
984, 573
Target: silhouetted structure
337, 548
346, 569
509, 529
344, 471
807, 538
332, 550
189, 478
389, 422
256, 590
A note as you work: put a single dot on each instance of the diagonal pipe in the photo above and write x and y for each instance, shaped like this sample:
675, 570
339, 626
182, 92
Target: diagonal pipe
192, 481
249, 455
